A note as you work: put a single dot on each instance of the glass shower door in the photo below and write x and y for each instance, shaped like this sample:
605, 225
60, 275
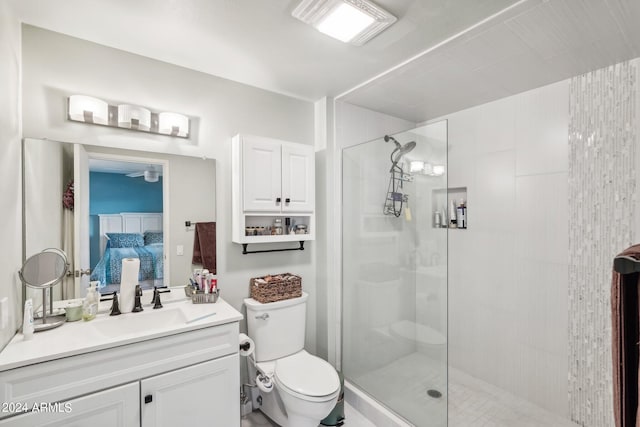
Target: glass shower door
395, 272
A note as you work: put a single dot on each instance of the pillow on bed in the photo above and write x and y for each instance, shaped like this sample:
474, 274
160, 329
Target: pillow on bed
151, 237
125, 240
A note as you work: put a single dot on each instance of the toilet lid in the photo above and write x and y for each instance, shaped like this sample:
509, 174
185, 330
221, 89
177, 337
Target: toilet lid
306, 374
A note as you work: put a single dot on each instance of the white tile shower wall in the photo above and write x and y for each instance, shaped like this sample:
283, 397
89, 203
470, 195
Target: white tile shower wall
508, 271
603, 134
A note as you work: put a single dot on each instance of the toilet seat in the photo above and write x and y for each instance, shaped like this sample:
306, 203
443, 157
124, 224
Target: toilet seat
307, 377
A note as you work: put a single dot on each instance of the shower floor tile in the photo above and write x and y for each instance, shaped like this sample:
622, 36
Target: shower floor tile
402, 385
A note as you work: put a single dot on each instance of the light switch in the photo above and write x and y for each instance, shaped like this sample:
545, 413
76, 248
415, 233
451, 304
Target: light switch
4, 313
180, 250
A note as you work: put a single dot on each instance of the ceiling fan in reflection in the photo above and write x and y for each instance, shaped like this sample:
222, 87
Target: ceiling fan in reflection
150, 174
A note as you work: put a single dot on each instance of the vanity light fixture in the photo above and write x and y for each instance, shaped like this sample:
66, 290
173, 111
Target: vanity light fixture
92, 110
88, 109
173, 124
438, 170
134, 117
416, 166
350, 21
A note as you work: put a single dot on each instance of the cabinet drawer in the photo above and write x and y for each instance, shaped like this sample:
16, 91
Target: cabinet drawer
62, 379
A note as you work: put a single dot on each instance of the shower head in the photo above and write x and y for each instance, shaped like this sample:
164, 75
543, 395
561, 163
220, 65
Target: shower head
401, 150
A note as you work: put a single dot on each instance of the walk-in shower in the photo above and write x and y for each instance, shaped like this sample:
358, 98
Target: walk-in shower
395, 273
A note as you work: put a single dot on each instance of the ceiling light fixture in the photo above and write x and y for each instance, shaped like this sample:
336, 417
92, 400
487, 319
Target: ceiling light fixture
350, 21
151, 175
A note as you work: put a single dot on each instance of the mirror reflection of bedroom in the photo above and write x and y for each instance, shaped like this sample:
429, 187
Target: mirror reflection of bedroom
125, 221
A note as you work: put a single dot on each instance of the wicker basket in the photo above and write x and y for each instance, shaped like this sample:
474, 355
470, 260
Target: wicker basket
276, 287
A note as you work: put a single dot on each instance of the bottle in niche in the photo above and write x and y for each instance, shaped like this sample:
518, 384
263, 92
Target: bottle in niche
453, 220
437, 220
462, 215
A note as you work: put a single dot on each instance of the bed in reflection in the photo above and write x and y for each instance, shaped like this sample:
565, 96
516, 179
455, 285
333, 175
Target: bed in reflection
147, 247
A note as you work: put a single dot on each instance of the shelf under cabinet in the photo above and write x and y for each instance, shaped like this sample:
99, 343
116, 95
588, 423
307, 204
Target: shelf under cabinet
275, 239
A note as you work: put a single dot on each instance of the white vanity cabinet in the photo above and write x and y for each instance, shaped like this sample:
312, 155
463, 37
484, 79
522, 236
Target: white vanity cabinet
115, 407
271, 179
192, 395
187, 378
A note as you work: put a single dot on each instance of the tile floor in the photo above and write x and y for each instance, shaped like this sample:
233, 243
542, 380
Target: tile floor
353, 418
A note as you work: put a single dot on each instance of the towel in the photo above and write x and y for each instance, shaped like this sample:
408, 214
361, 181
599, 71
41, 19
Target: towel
204, 246
625, 334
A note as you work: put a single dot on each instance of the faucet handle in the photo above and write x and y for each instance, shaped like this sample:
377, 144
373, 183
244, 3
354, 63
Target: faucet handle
137, 307
156, 298
115, 307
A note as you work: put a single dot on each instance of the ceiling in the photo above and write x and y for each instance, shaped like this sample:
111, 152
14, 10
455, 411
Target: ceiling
533, 44
119, 167
440, 57
257, 42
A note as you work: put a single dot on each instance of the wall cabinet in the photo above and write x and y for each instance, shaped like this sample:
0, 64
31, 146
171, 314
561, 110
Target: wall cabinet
272, 179
190, 378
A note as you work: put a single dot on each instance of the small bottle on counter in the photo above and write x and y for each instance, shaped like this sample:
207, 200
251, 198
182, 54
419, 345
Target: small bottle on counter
90, 304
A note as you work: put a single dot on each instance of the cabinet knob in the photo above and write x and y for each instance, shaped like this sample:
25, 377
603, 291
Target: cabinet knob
278, 200
148, 398
287, 200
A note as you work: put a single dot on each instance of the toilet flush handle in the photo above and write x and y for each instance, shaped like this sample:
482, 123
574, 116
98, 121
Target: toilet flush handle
264, 316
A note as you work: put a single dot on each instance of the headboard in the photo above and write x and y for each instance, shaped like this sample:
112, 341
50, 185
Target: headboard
127, 222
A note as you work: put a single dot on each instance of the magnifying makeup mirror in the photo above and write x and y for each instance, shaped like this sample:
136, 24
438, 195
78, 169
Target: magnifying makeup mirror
43, 271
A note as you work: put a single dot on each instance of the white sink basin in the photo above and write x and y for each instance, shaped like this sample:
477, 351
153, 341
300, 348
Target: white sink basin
135, 323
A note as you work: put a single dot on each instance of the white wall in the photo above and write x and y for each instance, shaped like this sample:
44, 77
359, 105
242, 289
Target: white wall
10, 133
508, 271
56, 66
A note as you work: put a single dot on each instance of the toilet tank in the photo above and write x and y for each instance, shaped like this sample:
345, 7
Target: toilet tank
277, 328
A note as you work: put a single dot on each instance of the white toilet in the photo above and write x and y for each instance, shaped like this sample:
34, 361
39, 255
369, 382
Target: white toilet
305, 387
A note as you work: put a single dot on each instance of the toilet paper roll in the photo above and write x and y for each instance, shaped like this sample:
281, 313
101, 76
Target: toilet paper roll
246, 345
128, 282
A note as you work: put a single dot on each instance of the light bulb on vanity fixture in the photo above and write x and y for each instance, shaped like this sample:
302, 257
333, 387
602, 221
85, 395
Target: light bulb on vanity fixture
350, 21
87, 109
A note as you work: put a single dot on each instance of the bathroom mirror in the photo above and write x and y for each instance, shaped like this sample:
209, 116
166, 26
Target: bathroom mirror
74, 196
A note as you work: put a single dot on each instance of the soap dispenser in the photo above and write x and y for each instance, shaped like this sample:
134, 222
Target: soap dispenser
90, 304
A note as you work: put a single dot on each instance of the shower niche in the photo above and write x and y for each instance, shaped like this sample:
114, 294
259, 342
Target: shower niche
449, 208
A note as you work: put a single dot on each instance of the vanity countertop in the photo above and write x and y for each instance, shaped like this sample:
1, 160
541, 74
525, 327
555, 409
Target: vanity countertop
178, 315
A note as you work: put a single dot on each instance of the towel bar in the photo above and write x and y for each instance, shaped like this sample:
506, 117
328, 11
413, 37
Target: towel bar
245, 251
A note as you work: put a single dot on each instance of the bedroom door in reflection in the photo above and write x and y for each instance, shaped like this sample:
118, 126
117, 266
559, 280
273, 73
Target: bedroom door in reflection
80, 207
125, 218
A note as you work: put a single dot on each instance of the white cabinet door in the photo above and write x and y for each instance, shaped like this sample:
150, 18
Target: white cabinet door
261, 175
206, 394
115, 407
298, 178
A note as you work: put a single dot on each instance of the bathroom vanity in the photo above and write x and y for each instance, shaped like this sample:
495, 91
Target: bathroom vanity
178, 365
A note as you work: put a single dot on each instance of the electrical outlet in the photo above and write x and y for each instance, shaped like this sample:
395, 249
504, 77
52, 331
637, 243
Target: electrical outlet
180, 250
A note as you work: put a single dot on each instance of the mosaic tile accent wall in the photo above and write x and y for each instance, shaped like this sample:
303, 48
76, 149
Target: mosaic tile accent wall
603, 134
